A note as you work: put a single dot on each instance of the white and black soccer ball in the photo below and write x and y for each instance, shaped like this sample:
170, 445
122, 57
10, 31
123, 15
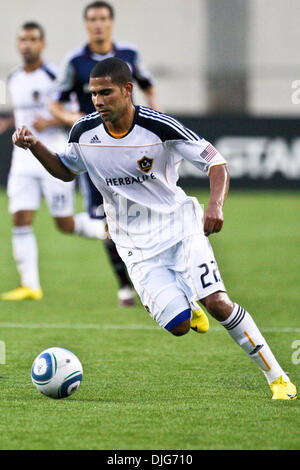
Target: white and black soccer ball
56, 372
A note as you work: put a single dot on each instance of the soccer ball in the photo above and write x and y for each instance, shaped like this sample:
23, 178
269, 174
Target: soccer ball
56, 372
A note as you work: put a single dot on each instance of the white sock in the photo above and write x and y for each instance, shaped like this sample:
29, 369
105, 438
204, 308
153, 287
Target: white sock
87, 227
244, 331
25, 253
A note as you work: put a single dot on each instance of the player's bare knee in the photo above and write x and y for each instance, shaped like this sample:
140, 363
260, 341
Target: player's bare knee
218, 305
181, 329
65, 224
22, 218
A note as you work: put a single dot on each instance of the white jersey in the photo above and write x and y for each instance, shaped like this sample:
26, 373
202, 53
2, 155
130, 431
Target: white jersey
137, 174
31, 93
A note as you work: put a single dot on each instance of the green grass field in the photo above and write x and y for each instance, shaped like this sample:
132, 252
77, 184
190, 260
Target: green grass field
142, 387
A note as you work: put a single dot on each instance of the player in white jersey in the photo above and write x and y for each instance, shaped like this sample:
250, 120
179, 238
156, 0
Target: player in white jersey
160, 232
31, 87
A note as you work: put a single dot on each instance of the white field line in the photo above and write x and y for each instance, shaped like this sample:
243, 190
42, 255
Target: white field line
134, 326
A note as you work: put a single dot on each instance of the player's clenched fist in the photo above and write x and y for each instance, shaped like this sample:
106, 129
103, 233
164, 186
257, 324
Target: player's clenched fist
24, 138
213, 219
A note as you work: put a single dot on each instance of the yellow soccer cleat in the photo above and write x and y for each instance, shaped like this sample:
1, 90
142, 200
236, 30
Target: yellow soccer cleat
23, 293
199, 321
283, 390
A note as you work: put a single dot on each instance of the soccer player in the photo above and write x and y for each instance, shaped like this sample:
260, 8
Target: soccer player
160, 232
31, 86
99, 22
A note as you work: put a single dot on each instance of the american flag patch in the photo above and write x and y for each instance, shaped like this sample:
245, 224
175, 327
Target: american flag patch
208, 153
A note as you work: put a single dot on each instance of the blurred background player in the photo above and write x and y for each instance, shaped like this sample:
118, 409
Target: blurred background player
31, 86
99, 22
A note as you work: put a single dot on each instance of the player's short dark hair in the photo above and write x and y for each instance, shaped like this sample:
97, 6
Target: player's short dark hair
115, 68
99, 5
34, 25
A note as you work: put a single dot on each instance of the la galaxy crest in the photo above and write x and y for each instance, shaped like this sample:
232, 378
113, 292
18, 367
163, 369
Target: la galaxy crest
36, 95
145, 164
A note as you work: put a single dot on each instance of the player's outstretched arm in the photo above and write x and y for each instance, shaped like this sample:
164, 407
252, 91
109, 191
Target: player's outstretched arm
219, 185
25, 139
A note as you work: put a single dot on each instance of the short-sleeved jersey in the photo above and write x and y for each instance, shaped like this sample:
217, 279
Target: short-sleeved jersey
31, 93
137, 176
78, 65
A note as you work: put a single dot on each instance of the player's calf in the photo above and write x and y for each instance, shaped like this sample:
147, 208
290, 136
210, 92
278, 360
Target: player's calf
218, 305
81, 224
65, 224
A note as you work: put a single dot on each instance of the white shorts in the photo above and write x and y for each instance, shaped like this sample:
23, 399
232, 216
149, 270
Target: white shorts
186, 269
25, 193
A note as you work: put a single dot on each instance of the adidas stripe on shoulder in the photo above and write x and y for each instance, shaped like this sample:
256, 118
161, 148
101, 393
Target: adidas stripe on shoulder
50, 70
82, 125
165, 126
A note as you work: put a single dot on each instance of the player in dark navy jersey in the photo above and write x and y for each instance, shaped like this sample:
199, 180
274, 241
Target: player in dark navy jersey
99, 21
